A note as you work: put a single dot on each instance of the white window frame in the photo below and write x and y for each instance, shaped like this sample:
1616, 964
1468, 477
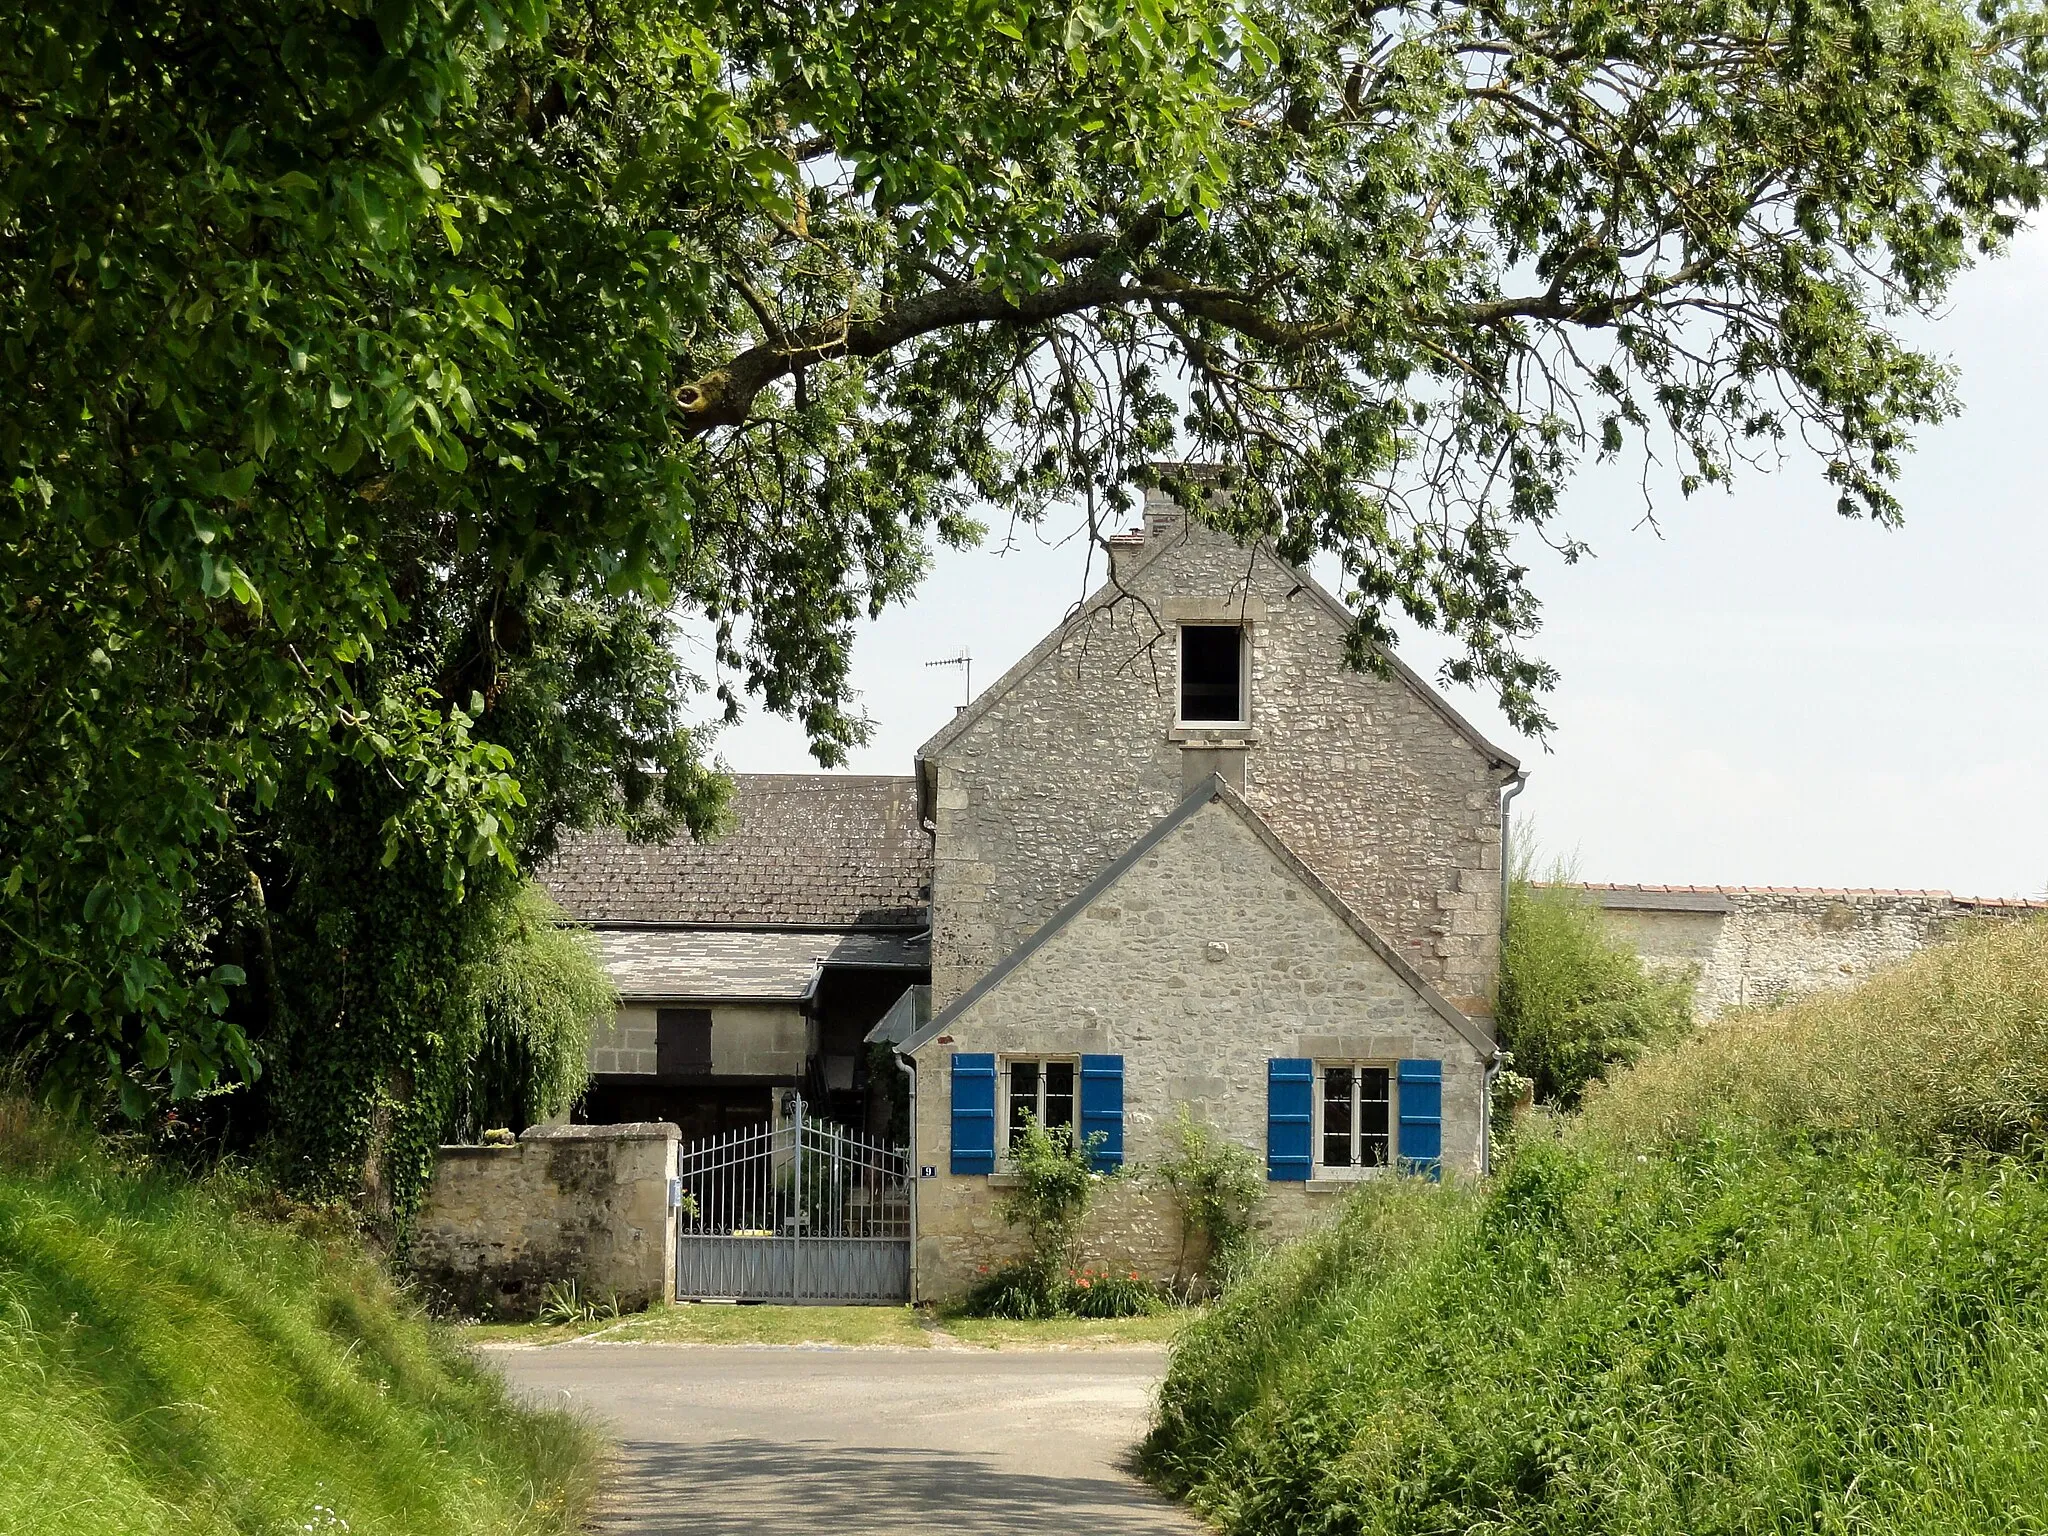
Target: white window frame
1244, 675
1003, 1065
1323, 1170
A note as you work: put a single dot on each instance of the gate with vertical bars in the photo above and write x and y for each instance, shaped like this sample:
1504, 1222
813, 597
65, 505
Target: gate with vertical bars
797, 1210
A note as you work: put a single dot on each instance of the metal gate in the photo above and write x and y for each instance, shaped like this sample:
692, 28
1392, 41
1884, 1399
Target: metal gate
799, 1210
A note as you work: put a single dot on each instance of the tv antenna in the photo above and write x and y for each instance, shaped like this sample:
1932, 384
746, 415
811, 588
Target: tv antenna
965, 663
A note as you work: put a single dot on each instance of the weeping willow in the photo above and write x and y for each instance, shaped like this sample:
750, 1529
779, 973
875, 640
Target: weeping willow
537, 995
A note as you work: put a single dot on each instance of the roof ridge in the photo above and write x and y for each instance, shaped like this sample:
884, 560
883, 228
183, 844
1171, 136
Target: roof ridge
823, 776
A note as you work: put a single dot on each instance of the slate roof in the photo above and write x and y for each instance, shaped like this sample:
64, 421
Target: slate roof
666, 965
816, 850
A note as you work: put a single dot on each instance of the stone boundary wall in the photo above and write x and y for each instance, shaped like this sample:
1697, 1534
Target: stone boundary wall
587, 1203
1758, 945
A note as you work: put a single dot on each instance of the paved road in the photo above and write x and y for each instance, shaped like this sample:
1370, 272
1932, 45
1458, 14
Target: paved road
741, 1442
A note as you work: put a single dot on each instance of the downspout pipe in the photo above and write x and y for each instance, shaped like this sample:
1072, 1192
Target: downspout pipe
1514, 787
1497, 1062
909, 1069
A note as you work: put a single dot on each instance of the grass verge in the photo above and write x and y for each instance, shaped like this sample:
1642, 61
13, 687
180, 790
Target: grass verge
173, 1365
1067, 1332
844, 1327
1791, 1274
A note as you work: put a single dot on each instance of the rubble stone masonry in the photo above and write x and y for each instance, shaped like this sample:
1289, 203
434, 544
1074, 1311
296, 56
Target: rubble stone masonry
587, 1203
1204, 959
1751, 946
1372, 781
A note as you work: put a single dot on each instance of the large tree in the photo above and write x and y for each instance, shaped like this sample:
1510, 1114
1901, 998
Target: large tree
378, 383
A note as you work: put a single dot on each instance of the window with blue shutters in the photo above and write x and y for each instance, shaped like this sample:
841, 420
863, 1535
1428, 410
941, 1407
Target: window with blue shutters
974, 1113
1290, 1118
1372, 1115
1102, 1111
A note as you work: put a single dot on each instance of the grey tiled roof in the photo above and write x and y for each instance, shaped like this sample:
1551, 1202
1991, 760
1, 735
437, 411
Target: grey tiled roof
683, 964
811, 849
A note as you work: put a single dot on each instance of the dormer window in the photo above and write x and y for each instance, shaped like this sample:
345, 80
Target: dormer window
1212, 675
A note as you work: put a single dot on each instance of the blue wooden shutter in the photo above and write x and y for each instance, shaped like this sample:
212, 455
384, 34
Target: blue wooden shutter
1421, 1144
1290, 1117
1102, 1109
974, 1113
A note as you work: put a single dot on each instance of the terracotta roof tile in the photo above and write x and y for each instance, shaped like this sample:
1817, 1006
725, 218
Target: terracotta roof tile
1597, 887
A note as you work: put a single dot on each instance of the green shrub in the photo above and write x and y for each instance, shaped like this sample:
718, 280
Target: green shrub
538, 993
1016, 1291
1105, 1293
1787, 1274
173, 1364
1573, 1001
563, 1306
1215, 1183
1050, 1200
1048, 1203
1023, 1293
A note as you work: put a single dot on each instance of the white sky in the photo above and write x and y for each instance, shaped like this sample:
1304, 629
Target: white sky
1767, 695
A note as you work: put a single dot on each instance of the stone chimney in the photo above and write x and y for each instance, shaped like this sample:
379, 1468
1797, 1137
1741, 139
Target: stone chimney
1163, 516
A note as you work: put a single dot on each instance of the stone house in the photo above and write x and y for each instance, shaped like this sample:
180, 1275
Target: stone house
1181, 857
1184, 857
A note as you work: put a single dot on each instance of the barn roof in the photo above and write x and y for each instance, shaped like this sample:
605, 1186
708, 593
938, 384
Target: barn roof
806, 850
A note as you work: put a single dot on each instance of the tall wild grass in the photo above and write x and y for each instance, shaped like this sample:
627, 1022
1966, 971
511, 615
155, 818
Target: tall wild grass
1789, 1273
168, 1364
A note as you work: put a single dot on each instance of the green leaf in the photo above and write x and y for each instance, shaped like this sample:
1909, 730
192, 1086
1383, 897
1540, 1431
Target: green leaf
342, 456
236, 484
243, 589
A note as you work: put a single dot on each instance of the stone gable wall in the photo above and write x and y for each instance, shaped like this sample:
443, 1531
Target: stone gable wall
1368, 783
1207, 958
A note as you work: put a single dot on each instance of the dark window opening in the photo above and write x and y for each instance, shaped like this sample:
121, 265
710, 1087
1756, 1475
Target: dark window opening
682, 1041
1042, 1091
1212, 673
1356, 1104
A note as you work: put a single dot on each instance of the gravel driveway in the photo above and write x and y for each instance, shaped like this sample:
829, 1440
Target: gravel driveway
745, 1441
